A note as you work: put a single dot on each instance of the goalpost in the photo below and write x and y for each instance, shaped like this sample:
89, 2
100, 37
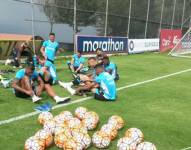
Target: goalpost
183, 47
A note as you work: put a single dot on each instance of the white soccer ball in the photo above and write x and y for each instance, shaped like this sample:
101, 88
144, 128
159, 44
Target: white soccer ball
80, 112
50, 126
100, 139
135, 134
146, 146
71, 144
45, 136
67, 115
44, 117
60, 140
90, 120
74, 123
126, 143
60, 119
82, 138
116, 121
109, 130
34, 144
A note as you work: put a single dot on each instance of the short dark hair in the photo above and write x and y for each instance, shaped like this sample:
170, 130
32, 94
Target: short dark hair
98, 49
92, 58
98, 66
51, 33
79, 52
31, 66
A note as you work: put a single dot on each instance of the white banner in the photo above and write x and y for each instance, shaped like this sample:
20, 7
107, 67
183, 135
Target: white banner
143, 45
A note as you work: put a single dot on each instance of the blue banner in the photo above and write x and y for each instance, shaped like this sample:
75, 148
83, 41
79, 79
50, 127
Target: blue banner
89, 44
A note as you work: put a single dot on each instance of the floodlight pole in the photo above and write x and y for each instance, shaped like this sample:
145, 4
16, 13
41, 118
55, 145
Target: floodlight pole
183, 12
33, 32
173, 14
106, 17
129, 19
74, 26
161, 17
148, 9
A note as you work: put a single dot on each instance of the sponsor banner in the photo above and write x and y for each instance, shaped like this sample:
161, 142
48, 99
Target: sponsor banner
169, 38
89, 44
143, 45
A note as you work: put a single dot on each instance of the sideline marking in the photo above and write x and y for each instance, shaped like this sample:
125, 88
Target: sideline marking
186, 148
21, 117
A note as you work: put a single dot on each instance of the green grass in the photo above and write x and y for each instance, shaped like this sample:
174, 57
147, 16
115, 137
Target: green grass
161, 109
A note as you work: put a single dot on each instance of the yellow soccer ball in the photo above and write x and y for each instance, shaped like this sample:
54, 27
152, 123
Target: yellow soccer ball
109, 130
116, 121
100, 139
34, 144
126, 143
45, 136
90, 120
60, 139
44, 117
71, 144
146, 146
135, 134
80, 112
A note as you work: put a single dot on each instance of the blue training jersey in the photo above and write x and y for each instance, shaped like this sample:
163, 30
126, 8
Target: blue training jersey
107, 85
78, 60
111, 66
50, 49
21, 73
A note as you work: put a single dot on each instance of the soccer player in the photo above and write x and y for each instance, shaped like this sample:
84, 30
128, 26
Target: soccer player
105, 85
99, 55
77, 62
110, 67
49, 50
23, 85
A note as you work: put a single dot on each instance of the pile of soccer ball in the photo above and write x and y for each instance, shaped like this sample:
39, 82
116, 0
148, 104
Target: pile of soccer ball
108, 132
66, 131
134, 140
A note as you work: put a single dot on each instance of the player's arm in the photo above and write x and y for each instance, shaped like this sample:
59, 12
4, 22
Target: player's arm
80, 67
18, 88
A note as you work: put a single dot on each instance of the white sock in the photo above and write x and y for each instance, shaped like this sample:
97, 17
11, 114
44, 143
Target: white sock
70, 83
56, 98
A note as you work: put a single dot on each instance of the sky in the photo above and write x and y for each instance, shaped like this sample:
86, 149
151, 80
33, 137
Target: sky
13, 20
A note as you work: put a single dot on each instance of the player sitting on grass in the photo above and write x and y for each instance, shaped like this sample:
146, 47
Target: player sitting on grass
77, 62
105, 85
99, 55
110, 67
24, 85
84, 81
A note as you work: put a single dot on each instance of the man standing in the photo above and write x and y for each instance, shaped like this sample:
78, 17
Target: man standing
49, 50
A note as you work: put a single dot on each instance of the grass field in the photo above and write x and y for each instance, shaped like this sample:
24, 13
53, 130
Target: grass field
161, 109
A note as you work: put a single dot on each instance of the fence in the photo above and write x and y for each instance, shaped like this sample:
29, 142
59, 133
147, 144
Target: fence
132, 18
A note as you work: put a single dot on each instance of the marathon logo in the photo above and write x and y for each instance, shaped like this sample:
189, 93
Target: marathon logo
107, 44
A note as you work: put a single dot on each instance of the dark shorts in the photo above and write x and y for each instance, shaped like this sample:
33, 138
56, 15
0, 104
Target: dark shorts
100, 96
20, 94
50, 81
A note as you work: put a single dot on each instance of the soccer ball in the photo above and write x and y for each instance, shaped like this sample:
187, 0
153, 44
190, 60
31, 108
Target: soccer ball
90, 120
146, 146
80, 112
136, 134
126, 143
60, 119
44, 117
34, 144
59, 127
109, 130
67, 115
50, 126
100, 139
60, 139
74, 123
80, 129
71, 144
82, 138
45, 136
116, 121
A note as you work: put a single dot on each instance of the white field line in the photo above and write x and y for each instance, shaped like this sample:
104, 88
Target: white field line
186, 148
21, 117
